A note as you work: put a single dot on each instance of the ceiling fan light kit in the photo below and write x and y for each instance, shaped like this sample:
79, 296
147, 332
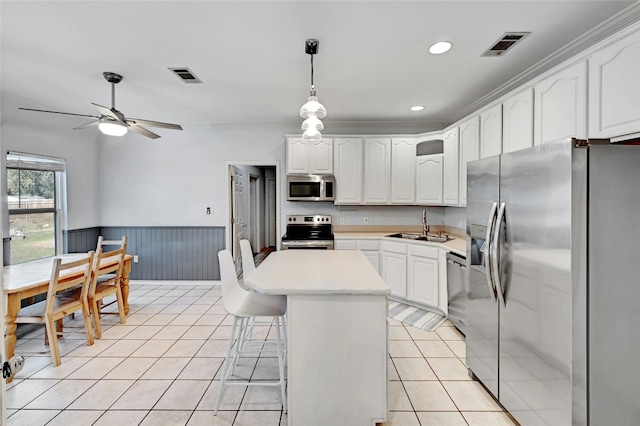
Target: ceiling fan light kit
313, 110
112, 122
111, 128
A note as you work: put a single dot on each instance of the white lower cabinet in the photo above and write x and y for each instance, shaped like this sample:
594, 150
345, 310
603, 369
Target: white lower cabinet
370, 248
394, 267
423, 279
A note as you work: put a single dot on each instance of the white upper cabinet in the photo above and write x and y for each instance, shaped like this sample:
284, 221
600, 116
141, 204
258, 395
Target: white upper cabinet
403, 171
451, 170
377, 165
348, 170
491, 131
321, 157
614, 88
309, 157
429, 179
517, 121
469, 151
560, 103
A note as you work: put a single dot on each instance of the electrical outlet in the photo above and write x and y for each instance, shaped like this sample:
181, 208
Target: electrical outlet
341, 220
135, 258
366, 220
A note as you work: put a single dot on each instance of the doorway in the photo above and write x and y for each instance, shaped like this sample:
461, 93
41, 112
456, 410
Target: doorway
253, 200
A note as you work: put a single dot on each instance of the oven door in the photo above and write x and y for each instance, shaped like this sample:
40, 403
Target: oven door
307, 244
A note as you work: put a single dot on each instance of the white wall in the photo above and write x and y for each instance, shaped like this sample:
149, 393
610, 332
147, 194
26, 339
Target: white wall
53, 135
172, 180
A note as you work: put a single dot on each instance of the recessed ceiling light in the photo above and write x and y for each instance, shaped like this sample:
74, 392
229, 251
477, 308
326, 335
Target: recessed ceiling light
417, 108
440, 47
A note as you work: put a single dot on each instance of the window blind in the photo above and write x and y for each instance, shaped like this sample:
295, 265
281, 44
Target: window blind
19, 160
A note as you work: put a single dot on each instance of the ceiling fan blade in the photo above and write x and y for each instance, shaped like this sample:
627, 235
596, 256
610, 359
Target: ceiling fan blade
108, 112
141, 130
84, 126
58, 112
154, 123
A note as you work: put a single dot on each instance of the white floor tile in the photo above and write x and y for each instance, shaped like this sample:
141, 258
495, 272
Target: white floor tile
449, 333
102, 395
153, 348
442, 418
166, 418
61, 395
118, 417
75, 417
97, 368
131, 368
201, 368
435, 348
259, 398
31, 417
414, 369
470, 396
403, 349
449, 369
26, 391
223, 418
398, 333
166, 368
398, 398
183, 394
199, 332
171, 332
401, 418
429, 396
122, 348
230, 401
487, 418
184, 348
143, 394
143, 332
258, 418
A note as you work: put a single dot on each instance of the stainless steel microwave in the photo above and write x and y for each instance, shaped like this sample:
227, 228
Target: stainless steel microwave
311, 187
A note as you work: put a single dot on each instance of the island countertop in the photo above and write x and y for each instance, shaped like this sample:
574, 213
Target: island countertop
316, 272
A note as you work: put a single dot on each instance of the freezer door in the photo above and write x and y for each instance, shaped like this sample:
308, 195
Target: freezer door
534, 247
482, 307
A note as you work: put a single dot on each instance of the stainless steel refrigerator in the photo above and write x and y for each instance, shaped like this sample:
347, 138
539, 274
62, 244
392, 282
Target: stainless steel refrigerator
553, 302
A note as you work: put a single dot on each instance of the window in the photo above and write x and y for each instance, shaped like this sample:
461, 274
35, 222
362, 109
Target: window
35, 189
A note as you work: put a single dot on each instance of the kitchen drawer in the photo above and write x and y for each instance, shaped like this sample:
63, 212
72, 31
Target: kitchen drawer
368, 244
392, 247
425, 251
345, 245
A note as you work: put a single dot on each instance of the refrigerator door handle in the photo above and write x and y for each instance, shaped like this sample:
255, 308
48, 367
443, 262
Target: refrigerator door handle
487, 259
495, 246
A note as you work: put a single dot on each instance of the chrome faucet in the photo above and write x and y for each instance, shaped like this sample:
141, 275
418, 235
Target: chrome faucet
425, 227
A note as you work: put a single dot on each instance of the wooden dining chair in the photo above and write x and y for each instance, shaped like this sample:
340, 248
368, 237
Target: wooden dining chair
64, 277
121, 243
106, 281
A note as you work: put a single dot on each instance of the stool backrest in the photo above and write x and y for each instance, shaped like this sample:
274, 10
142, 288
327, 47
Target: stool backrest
233, 296
248, 265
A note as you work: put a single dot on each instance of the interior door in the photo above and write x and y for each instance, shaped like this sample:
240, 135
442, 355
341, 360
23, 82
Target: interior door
239, 216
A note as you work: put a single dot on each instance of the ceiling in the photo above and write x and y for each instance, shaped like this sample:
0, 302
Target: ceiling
372, 66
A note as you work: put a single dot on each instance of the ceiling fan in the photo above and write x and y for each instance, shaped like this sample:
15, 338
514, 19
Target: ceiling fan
111, 121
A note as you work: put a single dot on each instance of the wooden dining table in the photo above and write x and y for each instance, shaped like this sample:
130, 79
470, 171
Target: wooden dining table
25, 280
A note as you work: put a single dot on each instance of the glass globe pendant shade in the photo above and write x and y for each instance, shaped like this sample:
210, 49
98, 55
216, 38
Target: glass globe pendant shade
112, 128
312, 123
313, 108
312, 134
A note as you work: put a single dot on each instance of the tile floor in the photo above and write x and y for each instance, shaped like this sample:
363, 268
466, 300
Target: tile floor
161, 368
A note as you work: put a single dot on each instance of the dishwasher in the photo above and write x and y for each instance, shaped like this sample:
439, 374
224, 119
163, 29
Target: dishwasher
456, 290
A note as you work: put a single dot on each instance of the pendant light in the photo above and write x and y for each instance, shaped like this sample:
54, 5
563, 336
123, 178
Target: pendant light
313, 110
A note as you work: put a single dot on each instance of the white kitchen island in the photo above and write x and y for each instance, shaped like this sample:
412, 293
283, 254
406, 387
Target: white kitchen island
337, 330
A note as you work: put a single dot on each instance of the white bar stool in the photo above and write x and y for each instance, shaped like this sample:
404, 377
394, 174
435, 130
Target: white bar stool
244, 305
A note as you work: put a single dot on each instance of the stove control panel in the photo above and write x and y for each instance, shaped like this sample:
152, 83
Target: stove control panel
317, 219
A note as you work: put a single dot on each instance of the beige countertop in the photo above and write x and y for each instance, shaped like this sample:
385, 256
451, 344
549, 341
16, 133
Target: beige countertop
458, 245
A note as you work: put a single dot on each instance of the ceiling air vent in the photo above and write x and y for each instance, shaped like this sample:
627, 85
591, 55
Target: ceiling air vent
186, 75
504, 43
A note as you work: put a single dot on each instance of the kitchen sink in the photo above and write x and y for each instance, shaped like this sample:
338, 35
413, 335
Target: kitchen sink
420, 237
